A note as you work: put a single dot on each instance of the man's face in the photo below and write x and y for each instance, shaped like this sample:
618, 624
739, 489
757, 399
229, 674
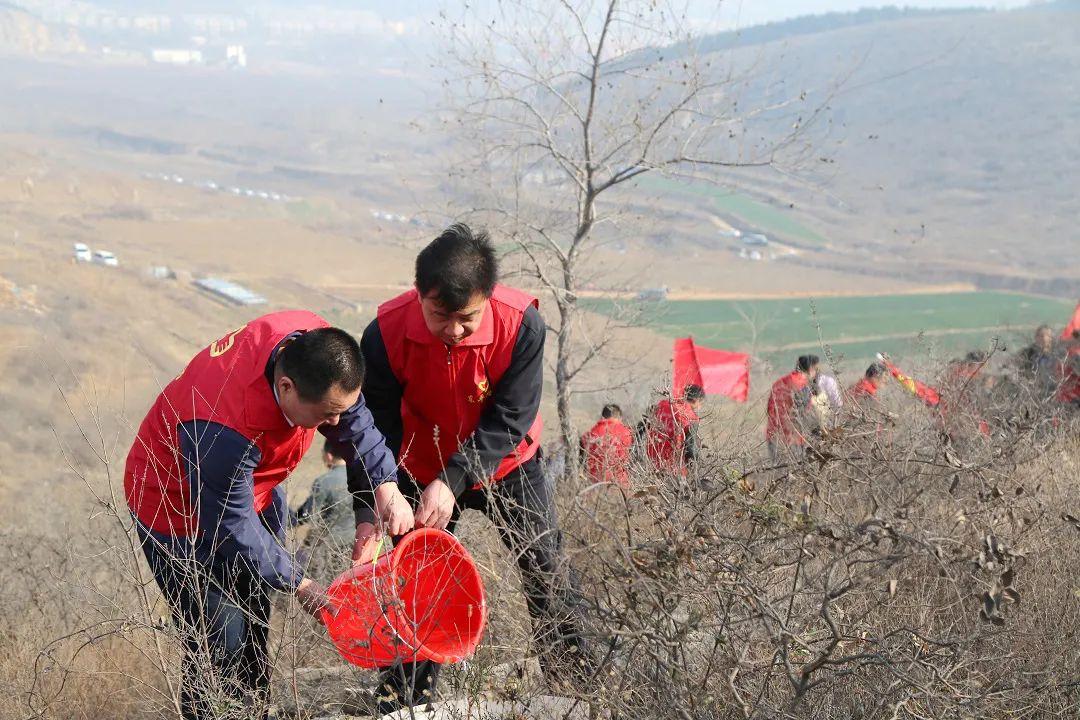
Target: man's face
451, 327
812, 373
878, 380
306, 414
1044, 340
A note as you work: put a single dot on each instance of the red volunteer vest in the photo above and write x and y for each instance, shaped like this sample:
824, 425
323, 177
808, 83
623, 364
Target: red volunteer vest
862, 390
666, 435
445, 389
607, 451
226, 384
782, 411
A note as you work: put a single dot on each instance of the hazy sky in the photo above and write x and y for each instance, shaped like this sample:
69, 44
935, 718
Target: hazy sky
742, 13
707, 14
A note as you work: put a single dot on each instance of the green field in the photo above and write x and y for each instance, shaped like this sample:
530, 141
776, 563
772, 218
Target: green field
853, 328
761, 216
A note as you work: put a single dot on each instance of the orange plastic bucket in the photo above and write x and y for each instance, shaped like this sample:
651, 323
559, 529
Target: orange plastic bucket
422, 601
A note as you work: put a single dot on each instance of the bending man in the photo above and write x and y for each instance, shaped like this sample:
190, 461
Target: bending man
203, 483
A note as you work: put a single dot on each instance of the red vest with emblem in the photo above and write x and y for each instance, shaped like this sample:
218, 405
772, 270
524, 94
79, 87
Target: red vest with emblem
226, 384
446, 389
666, 435
607, 451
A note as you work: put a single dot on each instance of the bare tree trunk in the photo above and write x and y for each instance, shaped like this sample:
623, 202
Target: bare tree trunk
579, 103
563, 389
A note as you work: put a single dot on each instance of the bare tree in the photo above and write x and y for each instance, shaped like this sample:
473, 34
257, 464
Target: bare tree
564, 104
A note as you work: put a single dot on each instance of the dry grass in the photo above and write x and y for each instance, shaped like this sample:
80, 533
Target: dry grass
900, 574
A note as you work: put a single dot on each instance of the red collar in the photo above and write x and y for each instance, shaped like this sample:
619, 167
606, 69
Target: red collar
261, 409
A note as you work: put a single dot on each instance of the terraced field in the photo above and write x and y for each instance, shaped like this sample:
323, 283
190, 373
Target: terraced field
755, 214
852, 329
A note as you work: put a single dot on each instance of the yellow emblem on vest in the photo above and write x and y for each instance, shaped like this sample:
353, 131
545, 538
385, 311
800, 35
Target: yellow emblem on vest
223, 345
483, 392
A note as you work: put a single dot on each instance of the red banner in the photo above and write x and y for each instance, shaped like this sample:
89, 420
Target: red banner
718, 372
1074, 324
924, 392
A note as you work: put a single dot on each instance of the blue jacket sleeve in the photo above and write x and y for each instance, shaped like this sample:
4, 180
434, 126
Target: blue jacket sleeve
220, 466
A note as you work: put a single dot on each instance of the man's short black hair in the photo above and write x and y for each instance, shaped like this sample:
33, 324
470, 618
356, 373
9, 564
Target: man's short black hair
611, 410
320, 359
976, 356
805, 362
457, 265
875, 370
692, 393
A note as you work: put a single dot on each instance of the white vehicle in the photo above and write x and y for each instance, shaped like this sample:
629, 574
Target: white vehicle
106, 258
82, 252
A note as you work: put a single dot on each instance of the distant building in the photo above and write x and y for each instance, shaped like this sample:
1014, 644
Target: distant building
653, 294
176, 57
755, 240
162, 272
229, 291
106, 258
236, 56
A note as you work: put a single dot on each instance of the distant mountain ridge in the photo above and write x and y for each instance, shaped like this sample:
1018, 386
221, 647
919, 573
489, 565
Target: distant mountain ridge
804, 25
813, 24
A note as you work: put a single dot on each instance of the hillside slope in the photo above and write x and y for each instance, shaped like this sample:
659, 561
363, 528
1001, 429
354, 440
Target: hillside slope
947, 139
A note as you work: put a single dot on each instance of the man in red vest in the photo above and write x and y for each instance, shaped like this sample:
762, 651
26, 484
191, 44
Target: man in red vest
606, 447
864, 404
203, 482
789, 400
455, 374
864, 393
670, 431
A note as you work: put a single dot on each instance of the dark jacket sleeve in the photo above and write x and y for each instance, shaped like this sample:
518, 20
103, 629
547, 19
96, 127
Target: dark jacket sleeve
692, 444
514, 405
382, 397
358, 441
220, 464
303, 513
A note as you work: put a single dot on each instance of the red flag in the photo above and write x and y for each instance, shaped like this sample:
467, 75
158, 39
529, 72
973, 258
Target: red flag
1073, 325
718, 372
924, 392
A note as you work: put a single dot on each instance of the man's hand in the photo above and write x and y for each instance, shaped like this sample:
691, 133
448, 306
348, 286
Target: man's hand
368, 538
395, 516
436, 506
392, 509
313, 598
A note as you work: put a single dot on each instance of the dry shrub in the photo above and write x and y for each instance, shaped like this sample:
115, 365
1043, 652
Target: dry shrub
896, 572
